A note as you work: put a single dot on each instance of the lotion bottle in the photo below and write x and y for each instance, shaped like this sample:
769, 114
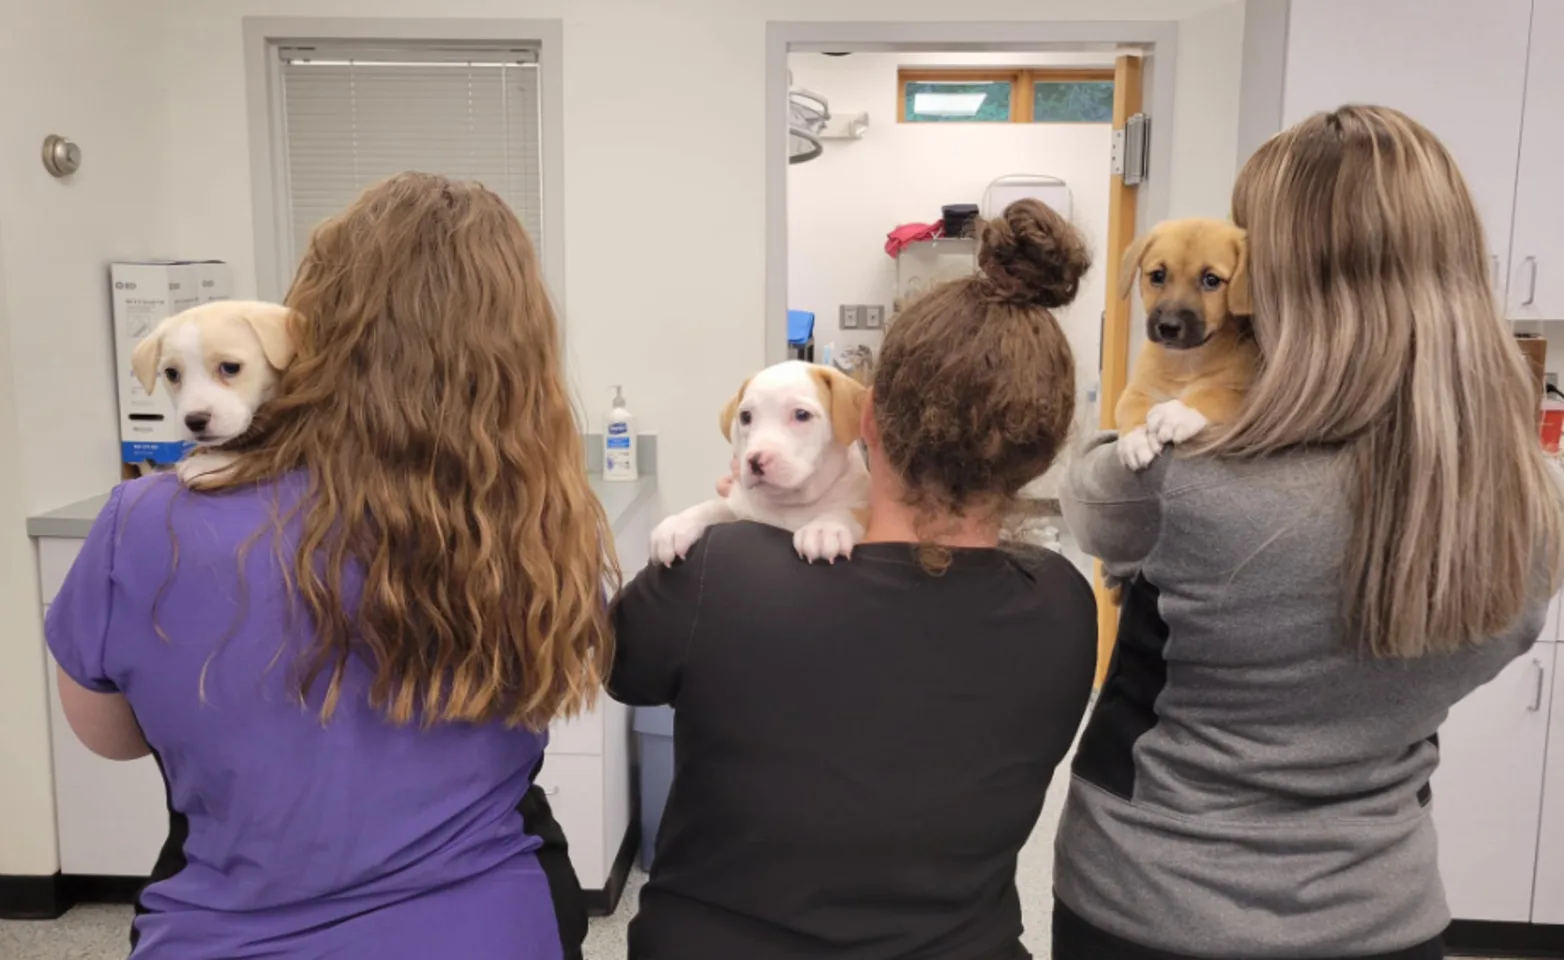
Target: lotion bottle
619, 445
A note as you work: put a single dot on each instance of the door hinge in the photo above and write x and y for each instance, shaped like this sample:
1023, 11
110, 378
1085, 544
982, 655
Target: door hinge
1132, 150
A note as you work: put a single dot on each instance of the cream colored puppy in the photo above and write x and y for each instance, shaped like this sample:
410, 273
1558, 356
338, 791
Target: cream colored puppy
220, 362
794, 429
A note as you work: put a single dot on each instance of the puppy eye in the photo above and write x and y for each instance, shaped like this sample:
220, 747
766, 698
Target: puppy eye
1157, 277
171, 375
745, 417
803, 416
228, 368
1210, 281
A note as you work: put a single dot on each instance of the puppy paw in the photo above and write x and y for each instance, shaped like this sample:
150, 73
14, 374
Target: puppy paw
673, 538
203, 470
1138, 448
825, 539
1173, 422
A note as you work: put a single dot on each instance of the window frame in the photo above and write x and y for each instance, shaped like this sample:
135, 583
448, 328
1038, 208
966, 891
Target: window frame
1022, 80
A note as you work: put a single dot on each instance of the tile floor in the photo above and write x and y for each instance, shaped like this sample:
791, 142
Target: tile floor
98, 932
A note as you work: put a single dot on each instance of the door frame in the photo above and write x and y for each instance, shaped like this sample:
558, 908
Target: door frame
1155, 40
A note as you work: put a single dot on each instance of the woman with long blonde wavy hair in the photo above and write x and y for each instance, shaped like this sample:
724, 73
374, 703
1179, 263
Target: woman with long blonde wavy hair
345, 653
1312, 587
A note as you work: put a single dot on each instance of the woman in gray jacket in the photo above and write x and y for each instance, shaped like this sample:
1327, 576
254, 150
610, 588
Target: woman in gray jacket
1310, 588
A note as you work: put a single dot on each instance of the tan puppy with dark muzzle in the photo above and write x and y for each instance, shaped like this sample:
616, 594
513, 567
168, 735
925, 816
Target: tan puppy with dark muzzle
1200, 357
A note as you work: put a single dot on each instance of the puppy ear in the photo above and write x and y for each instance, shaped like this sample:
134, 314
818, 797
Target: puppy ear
1239, 302
273, 326
730, 410
144, 358
1130, 268
844, 397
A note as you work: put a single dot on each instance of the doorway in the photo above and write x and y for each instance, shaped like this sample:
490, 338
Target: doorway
1002, 82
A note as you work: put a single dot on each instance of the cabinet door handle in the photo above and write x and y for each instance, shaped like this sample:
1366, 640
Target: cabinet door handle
1531, 281
1493, 268
1536, 693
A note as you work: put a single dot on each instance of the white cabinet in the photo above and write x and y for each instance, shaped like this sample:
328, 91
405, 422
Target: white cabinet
1536, 288
1548, 900
111, 817
1488, 791
1456, 66
1499, 791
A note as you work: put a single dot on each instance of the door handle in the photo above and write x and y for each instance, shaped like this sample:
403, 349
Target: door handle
1493, 268
1536, 694
1531, 281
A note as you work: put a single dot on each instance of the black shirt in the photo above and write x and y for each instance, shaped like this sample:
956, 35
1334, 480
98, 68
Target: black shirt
861, 748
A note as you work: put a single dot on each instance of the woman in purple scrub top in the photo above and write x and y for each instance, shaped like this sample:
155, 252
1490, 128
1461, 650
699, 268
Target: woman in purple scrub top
345, 656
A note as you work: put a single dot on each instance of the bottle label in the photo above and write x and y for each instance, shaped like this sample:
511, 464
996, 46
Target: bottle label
618, 443
618, 429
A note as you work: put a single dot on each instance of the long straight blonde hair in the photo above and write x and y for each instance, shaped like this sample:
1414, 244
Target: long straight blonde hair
427, 406
1380, 332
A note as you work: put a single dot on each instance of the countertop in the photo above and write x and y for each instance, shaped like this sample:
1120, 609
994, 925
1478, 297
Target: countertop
620, 500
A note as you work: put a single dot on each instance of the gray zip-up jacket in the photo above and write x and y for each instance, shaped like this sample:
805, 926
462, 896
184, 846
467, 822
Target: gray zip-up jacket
1247, 786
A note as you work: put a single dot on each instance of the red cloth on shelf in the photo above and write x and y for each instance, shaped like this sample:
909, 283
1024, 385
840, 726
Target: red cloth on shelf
897, 239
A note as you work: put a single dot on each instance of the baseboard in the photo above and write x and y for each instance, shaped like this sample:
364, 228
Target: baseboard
34, 897
601, 903
48, 897
1480, 938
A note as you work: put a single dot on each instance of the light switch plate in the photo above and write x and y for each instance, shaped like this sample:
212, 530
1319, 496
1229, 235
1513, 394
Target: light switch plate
874, 317
852, 316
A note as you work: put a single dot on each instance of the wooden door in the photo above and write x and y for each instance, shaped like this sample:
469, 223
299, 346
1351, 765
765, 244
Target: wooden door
1536, 288
1127, 94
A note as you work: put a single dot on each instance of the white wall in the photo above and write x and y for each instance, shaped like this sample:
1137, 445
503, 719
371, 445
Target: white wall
664, 188
1205, 132
91, 70
843, 203
665, 203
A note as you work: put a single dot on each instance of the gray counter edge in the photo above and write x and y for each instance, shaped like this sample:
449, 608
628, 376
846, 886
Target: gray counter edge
620, 501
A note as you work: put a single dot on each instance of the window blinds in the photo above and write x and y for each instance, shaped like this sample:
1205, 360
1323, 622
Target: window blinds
356, 115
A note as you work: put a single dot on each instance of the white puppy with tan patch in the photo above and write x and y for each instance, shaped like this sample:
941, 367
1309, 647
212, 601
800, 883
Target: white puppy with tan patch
220, 362
794, 429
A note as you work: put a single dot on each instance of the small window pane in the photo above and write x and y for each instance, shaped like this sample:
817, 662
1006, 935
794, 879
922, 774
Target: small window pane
951, 102
1072, 101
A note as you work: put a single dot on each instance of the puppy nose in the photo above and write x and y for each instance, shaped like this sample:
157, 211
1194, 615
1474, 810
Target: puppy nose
1169, 328
197, 421
757, 463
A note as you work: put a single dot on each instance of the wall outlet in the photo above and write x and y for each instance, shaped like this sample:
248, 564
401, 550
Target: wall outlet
852, 316
1550, 379
873, 317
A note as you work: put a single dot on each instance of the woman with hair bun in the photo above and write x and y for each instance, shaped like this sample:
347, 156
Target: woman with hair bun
864, 747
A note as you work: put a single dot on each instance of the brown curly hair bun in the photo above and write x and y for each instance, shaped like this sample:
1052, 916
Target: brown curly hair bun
1033, 255
975, 389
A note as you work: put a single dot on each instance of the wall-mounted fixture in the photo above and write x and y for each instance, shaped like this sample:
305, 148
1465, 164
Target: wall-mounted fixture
61, 155
807, 115
850, 126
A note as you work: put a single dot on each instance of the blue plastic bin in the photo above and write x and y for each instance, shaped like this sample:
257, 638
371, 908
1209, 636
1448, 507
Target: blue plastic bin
654, 733
800, 327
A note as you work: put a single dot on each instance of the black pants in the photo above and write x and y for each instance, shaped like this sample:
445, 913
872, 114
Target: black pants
1075, 939
554, 857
